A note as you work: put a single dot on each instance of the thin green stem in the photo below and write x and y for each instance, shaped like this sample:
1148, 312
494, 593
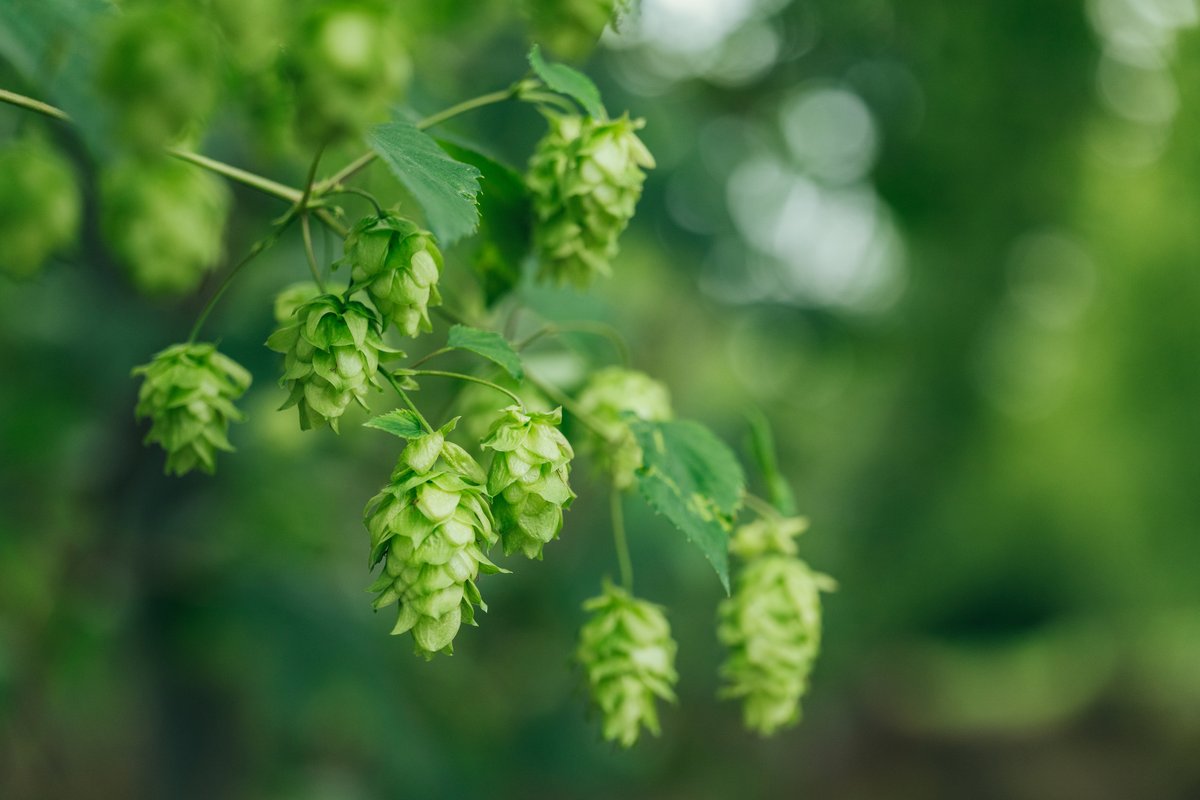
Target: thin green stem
343, 189
624, 562
601, 329
365, 160
306, 233
761, 506
437, 373
255, 249
407, 400
550, 99
560, 397
451, 315
30, 104
430, 356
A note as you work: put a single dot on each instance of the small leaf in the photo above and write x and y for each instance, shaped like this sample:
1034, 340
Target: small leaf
762, 446
568, 81
505, 233
488, 344
401, 422
693, 479
445, 188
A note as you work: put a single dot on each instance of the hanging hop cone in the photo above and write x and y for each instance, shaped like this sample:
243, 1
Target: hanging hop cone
586, 177
771, 624
431, 529
398, 264
609, 394
528, 478
39, 205
629, 656
332, 348
188, 391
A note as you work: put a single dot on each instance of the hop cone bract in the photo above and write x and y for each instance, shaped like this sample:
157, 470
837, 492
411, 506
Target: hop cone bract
611, 392
586, 177
629, 656
332, 349
188, 391
398, 264
528, 478
771, 624
431, 528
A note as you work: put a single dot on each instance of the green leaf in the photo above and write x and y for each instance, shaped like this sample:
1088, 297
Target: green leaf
762, 447
488, 344
693, 479
445, 188
568, 81
505, 233
401, 422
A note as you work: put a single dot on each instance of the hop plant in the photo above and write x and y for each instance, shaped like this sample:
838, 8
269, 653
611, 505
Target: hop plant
431, 528
39, 206
188, 392
332, 349
398, 264
628, 654
349, 68
159, 71
163, 220
586, 177
609, 394
771, 624
528, 478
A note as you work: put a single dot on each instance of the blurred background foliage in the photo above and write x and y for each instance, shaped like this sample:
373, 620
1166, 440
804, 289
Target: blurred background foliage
948, 248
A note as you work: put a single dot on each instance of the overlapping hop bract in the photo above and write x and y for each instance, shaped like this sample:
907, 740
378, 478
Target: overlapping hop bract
771, 624
609, 394
398, 264
163, 220
628, 654
188, 392
332, 348
431, 527
39, 205
527, 478
586, 177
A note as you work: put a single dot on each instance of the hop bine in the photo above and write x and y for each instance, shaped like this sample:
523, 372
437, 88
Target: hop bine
611, 393
586, 177
188, 393
398, 264
528, 478
771, 624
332, 350
629, 656
431, 528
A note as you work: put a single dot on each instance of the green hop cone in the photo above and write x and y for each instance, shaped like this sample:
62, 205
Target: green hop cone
332, 348
586, 177
528, 478
159, 70
609, 394
349, 67
570, 28
39, 206
771, 624
188, 392
164, 220
398, 264
629, 656
431, 528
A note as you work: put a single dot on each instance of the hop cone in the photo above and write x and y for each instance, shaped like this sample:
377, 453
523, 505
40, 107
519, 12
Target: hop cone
431, 527
331, 353
528, 478
398, 264
188, 392
39, 206
586, 177
164, 220
611, 392
629, 655
771, 624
